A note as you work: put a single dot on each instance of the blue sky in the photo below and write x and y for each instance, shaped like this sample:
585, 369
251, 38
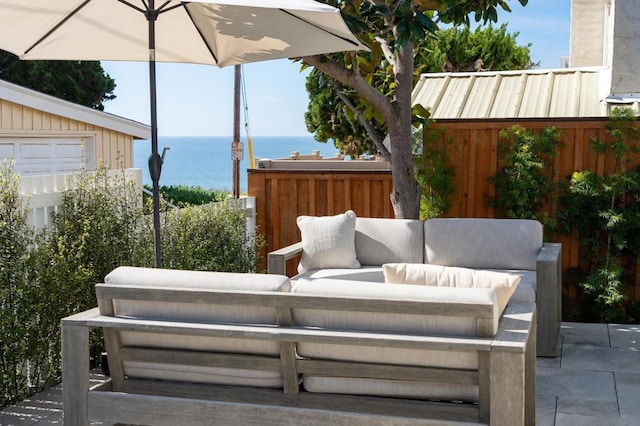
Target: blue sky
197, 100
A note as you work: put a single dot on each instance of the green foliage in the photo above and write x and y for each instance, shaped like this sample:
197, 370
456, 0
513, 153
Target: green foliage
605, 213
17, 338
209, 238
458, 49
602, 211
526, 175
329, 118
98, 228
182, 195
382, 76
434, 174
82, 82
623, 136
603, 288
47, 276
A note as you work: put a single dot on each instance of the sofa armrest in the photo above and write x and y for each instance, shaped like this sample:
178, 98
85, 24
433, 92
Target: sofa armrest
549, 298
277, 259
510, 369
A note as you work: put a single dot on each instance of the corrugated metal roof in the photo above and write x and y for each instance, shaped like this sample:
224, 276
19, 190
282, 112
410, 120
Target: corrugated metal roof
555, 93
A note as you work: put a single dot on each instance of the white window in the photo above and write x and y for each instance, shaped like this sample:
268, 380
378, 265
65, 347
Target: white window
49, 155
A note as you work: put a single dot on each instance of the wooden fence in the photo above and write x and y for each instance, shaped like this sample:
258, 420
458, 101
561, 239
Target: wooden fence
283, 195
472, 149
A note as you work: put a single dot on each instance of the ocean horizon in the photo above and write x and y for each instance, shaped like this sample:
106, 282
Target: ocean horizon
205, 161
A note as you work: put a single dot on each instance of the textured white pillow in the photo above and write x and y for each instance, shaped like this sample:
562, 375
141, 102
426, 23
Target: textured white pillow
328, 241
503, 283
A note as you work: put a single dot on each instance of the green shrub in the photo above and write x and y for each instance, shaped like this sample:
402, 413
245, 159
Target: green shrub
48, 275
98, 228
18, 373
182, 195
434, 174
605, 213
210, 238
525, 179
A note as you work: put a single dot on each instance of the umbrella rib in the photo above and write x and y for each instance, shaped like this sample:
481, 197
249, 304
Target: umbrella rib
318, 27
133, 6
213, 55
175, 6
55, 28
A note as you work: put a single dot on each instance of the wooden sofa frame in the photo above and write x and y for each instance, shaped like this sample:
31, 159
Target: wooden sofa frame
506, 373
548, 291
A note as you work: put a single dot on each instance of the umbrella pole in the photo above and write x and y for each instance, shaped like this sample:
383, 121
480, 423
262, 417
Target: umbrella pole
155, 161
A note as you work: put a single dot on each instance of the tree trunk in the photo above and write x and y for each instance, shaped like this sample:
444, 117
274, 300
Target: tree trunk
405, 196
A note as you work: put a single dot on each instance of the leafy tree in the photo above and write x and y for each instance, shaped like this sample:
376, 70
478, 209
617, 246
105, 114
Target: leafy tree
461, 49
383, 78
82, 82
452, 49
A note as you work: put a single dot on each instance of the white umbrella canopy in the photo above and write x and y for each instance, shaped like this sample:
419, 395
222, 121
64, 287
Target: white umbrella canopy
222, 32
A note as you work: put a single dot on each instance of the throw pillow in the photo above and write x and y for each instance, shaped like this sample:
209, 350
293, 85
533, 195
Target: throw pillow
328, 241
503, 283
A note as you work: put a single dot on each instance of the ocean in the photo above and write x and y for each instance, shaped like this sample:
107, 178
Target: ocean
206, 161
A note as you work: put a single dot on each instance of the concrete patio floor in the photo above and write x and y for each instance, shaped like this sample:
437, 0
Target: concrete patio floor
595, 382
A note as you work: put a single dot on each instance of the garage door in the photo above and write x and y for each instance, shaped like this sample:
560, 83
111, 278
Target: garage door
37, 156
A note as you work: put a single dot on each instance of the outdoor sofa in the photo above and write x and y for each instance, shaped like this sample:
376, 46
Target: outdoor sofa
333, 249
194, 348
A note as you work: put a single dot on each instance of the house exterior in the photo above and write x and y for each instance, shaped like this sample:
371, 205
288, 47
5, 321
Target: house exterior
47, 135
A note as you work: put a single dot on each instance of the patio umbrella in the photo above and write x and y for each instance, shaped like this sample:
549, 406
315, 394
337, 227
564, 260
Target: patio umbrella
223, 32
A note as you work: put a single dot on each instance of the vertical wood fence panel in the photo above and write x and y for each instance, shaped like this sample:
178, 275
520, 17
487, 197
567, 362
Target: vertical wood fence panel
283, 195
472, 149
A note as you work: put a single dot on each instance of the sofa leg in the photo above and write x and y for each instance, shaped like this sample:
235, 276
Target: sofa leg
508, 378
75, 374
484, 377
530, 375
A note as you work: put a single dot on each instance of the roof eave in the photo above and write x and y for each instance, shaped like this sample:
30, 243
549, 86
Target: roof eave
50, 104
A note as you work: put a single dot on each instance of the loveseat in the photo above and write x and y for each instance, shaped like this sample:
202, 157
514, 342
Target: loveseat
193, 348
350, 248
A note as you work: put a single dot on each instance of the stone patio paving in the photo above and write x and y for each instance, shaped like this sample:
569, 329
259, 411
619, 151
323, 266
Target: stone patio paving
595, 382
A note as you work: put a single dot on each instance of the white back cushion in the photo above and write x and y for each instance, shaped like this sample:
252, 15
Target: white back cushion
483, 243
380, 241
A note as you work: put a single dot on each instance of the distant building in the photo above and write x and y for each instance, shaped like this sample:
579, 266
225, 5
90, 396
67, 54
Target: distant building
47, 135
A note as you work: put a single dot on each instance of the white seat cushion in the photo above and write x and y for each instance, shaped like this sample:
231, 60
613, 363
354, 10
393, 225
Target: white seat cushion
391, 388
371, 274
